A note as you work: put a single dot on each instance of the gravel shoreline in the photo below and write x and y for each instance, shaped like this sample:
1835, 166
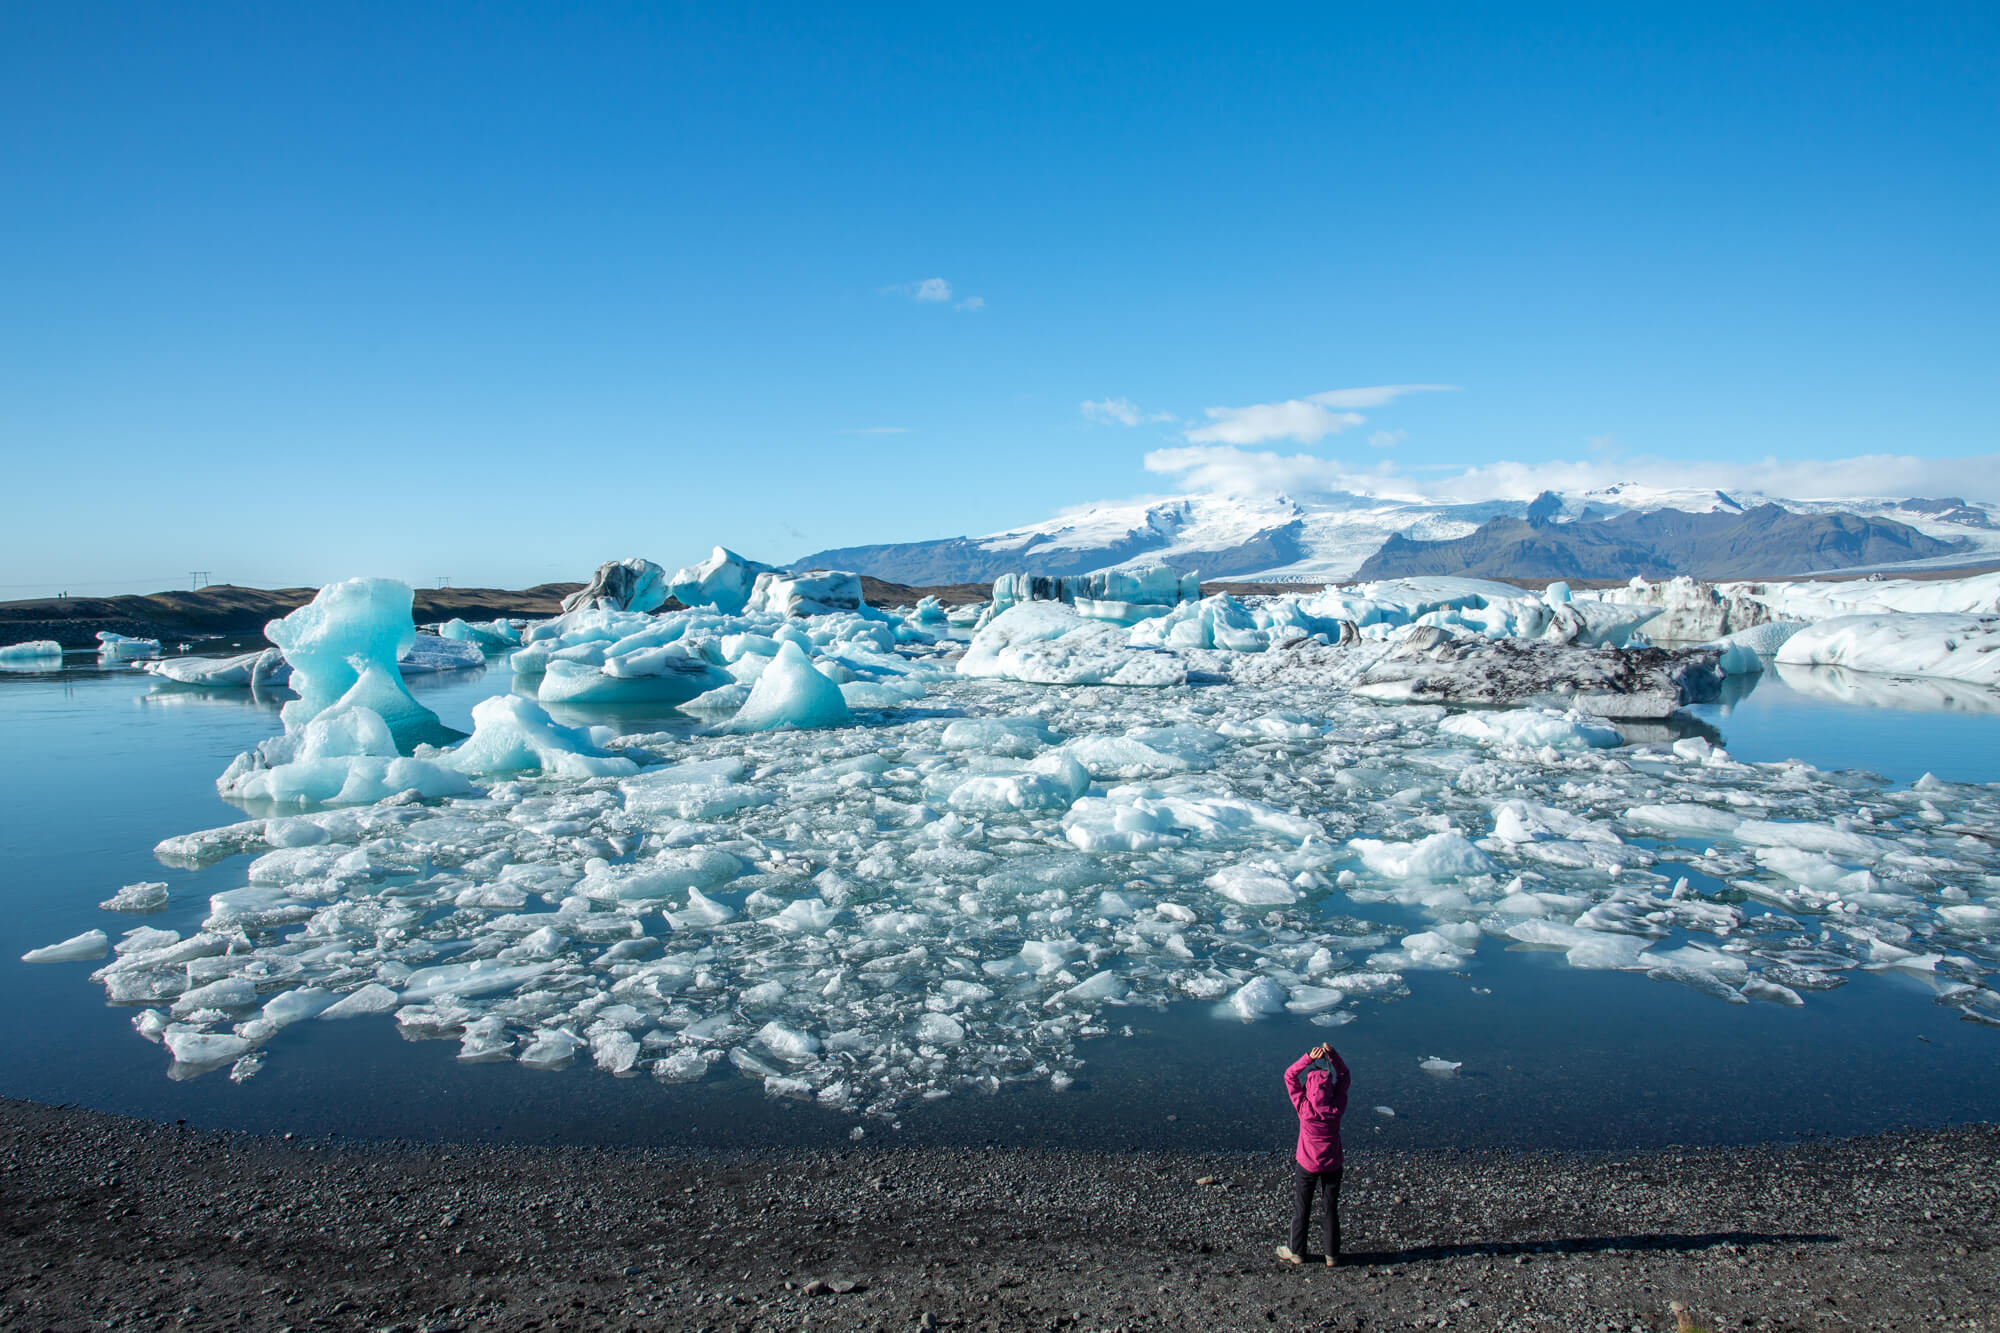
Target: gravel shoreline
110, 1222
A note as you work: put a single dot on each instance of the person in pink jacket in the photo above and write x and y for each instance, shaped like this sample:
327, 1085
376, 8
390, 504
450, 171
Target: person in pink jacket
1320, 1098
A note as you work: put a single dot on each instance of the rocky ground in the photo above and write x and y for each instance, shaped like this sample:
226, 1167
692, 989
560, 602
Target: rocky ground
112, 1223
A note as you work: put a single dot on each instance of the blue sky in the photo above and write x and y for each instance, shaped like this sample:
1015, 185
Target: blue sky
499, 291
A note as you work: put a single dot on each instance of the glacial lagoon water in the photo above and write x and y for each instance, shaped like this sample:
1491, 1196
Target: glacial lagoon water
102, 763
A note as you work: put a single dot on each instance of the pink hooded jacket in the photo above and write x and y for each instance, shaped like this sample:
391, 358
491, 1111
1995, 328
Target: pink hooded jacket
1320, 1099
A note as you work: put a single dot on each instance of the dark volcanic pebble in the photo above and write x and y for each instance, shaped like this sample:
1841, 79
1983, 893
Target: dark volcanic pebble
107, 1222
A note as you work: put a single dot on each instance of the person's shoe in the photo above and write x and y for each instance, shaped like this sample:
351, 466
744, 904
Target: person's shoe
1285, 1253
1333, 1261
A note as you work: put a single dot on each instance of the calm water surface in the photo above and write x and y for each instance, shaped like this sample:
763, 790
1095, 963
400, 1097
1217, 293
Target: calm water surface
99, 766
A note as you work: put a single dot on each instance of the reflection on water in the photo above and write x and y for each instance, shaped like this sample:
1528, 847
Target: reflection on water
1906, 693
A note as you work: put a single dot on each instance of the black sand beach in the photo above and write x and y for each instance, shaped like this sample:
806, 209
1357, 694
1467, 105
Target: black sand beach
113, 1223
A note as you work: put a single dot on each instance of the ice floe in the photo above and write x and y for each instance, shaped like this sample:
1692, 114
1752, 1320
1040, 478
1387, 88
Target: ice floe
863, 878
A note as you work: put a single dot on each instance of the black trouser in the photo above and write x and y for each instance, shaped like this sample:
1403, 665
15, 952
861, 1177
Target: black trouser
1302, 1203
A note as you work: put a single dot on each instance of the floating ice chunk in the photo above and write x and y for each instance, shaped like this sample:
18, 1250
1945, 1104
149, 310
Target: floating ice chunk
431, 653
343, 756
1098, 988
1439, 856
343, 647
940, 1030
1047, 643
621, 585
265, 666
485, 633
1938, 644
819, 592
1773, 992
615, 1052
1744, 650
1012, 737
511, 734
1253, 886
30, 651
191, 1046
294, 1006
701, 910
75, 949
1697, 978
722, 581
809, 916
1259, 998
145, 896
374, 998
1685, 820
999, 793
551, 1048
1314, 999
1387, 1111
1148, 751
791, 693
118, 648
1589, 949
788, 1043
1442, 1068
1532, 728
705, 789
227, 993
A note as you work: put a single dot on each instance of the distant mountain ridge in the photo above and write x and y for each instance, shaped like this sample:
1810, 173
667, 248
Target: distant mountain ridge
1661, 543
1334, 536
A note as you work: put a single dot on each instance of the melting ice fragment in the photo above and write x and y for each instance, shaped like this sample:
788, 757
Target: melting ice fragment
146, 896
790, 692
1440, 1067
511, 734
344, 646
75, 949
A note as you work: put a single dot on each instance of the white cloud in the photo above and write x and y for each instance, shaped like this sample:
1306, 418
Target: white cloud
1228, 470
1121, 412
875, 430
971, 303
1305, 420
932, 289
1387, 439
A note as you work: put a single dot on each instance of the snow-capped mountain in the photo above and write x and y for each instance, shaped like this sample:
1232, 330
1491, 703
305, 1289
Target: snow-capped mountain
1282, 539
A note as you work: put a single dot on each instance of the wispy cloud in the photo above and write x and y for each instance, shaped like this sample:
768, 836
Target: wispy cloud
875, 430
1305, 420
1387, 439
934, 291
1229, 470
1120, 412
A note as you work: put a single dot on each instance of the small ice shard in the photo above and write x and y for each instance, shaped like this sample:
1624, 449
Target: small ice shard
374, 998
789, 1043
1532, 728
1772, 992
1253, 886
432, 653
145, 896
701, 910
791, 693
76, 949
1442, 1068
118, 648
1384, 1110
191, 1046
940, 1030
551, 1048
